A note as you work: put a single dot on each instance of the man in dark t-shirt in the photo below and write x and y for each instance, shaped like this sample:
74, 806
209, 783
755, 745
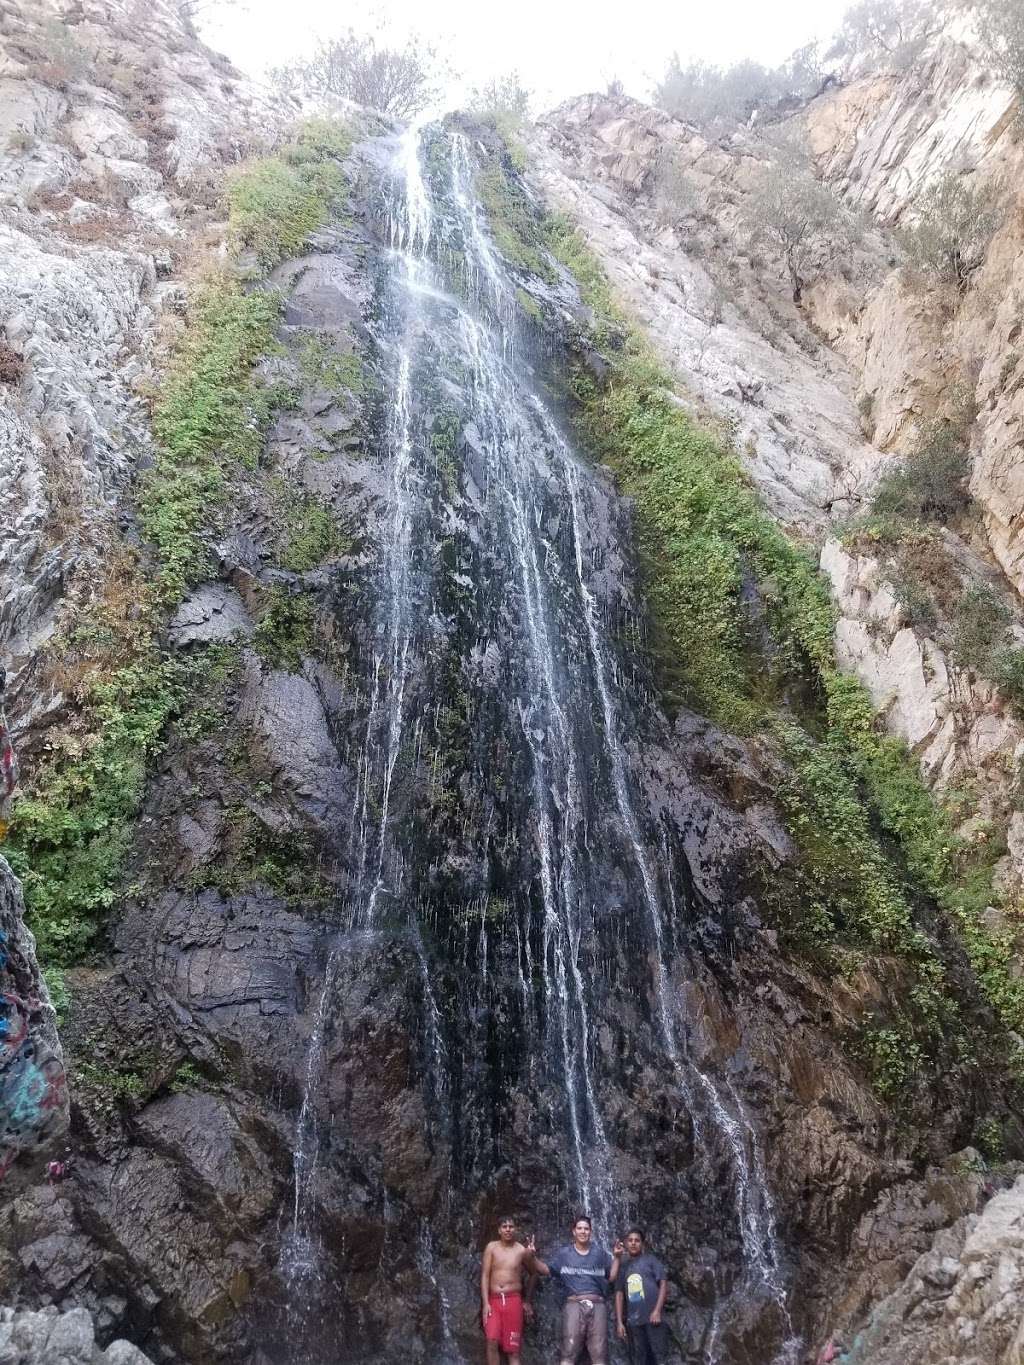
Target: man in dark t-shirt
582, 1273
640, 1291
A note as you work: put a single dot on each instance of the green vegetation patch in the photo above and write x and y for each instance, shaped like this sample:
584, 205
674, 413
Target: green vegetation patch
514, 224
275, 203
285, 632
311, 532
872, 837
71, 833
339, 372
69, 837
212, 414
285, 863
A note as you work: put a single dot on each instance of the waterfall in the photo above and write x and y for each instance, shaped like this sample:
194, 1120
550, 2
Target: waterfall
566, 715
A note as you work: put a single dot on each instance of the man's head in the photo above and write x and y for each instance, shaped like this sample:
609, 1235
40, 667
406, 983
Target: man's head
635, 1241
507, 1228
581, 1230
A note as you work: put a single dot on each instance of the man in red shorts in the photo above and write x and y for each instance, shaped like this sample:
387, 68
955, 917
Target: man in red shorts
501, 1292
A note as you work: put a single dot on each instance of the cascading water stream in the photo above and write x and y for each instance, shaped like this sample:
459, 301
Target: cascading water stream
754, 1210
409, 224
561, 701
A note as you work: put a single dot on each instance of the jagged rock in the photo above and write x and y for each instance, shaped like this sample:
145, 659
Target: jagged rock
33, 1086
801, 440
212, 612
289, 723
963, 1301
49, 1337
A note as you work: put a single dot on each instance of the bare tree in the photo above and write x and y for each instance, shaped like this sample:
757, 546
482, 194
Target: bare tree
956, 221
1001, 23
791, 212
399, 81
887, 26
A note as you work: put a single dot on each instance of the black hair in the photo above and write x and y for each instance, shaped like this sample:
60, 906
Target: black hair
639, 1232
506, 1218
583, 1218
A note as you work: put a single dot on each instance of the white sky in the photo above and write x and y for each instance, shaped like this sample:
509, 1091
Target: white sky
560, 47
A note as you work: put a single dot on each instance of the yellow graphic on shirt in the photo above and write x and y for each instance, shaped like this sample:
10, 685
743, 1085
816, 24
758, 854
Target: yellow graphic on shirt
635, 1288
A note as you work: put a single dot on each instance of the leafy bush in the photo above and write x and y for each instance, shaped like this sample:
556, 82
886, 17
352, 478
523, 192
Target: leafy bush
311, 533
503, 102
399, 81
285, 631
276, 203
983, 641
1002, 33
956, 222
69, 837
931, 483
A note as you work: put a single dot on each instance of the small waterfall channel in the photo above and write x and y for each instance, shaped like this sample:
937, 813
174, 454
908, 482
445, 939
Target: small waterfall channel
560, 700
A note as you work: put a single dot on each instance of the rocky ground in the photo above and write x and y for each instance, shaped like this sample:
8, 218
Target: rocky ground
52, 1338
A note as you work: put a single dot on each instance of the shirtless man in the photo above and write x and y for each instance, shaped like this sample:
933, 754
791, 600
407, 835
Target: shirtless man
501, 1292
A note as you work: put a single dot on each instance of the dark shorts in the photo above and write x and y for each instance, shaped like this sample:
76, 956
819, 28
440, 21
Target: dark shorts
648, 1345
584, 1323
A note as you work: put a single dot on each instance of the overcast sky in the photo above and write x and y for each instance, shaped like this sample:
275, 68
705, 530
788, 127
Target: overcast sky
561, 47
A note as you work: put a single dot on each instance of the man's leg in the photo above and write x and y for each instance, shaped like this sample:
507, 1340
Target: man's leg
512, 1328
492, 1331
658, 1342
572, 1333
635, 1345
597, 1334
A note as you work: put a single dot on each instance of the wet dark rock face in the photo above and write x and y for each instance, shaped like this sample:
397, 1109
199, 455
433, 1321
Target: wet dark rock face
450, 1085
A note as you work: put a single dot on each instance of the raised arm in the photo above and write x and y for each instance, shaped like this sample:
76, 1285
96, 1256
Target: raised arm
485, 1281
613, 1269
534, 1265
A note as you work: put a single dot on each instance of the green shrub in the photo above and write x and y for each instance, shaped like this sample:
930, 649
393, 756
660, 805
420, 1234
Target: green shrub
514, 224
70, 835
893, 1059
931, 483
871, 836
285, 631
275, 203
956, 221
212, 413
310, 530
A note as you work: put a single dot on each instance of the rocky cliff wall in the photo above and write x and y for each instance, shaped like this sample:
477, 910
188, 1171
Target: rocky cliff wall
821, 400
116, 129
